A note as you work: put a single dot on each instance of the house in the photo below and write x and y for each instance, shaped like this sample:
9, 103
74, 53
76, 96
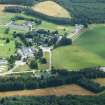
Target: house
78, 28
25, 26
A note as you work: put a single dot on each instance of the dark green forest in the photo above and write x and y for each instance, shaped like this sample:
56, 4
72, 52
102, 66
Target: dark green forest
54, 100
91, 11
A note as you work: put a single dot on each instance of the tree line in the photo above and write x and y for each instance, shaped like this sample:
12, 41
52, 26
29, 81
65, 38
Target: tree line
53, 100
57, 78
19, 2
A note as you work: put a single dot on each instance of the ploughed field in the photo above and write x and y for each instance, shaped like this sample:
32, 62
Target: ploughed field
51, 8
87, 51
58, 91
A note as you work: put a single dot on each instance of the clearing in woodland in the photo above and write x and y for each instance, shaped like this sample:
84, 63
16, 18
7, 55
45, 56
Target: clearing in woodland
51, 8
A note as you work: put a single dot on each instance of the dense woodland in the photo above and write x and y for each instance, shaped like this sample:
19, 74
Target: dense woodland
90, 11
54, 100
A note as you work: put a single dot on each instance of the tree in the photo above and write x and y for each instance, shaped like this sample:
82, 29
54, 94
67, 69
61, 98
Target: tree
18, 57
7, 30
18, 44
33, 64
11, 61
40, 54
7, 40
43, 61
85, 25
65, 41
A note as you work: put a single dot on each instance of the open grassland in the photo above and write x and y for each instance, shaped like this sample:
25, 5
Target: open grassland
58, 91
7, 49
87, 51
51, 8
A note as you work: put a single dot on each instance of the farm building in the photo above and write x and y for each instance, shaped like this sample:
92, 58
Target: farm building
25, 26
26, 52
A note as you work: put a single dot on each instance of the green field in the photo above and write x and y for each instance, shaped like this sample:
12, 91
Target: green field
87, 51
5, 18
6, 49
50, 26
93, 40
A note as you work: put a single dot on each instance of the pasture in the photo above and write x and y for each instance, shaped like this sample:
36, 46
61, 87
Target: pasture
50, 26
87, 51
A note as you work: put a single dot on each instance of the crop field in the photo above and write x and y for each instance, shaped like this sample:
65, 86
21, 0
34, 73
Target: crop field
101, 81
87, 51
52, 9
58, 91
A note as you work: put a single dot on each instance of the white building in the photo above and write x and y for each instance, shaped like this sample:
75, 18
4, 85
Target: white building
78, 28
25, 26
3, 62
26, 52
